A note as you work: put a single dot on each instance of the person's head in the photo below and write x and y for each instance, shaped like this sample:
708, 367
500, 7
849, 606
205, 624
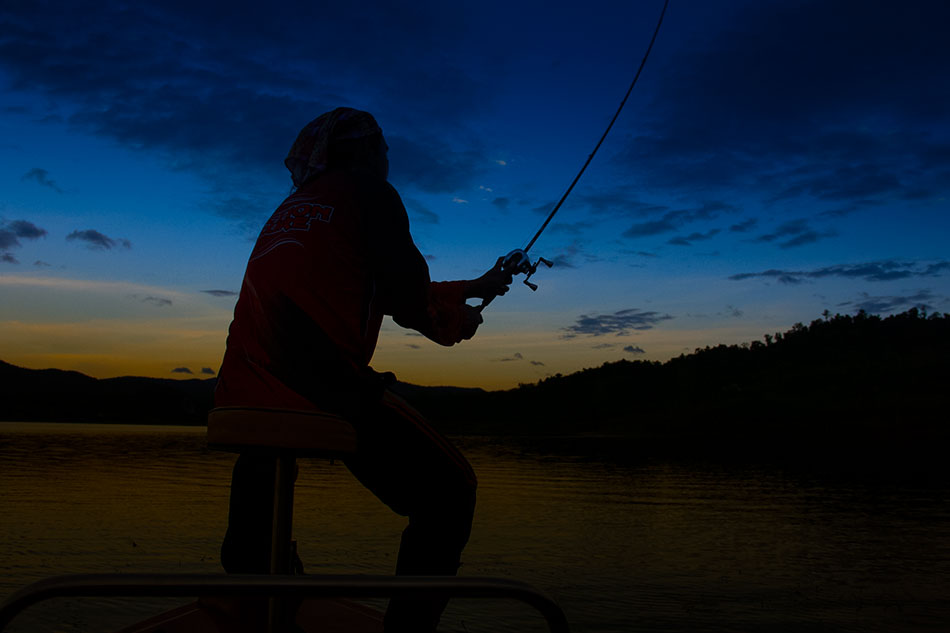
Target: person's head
367, 153
343, 138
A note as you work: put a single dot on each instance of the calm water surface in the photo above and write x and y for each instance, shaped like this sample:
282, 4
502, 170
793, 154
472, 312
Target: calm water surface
622, 544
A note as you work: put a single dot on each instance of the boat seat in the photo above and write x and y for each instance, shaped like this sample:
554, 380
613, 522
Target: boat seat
285, 435
266, 431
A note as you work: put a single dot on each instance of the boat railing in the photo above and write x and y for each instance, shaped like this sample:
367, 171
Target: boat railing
316, 586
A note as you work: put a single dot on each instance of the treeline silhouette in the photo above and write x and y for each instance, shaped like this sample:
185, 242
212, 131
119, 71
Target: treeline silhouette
837, 379
54, 395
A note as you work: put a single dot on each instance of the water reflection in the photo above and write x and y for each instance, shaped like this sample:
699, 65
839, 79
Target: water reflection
624, 542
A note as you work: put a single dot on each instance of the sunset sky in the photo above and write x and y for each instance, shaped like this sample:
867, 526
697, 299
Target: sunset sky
776, 159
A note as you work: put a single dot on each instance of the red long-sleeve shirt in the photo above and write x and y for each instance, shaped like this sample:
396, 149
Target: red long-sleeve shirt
333, 259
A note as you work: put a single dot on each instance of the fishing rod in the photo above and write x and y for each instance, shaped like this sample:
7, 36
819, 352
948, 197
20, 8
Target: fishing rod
517, 261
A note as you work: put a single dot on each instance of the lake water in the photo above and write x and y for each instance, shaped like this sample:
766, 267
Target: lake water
623, 544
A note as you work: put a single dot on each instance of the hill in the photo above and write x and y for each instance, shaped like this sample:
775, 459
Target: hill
838, 378
55, 395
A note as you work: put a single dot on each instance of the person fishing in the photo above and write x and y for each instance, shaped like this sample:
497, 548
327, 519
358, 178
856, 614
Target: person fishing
332, 260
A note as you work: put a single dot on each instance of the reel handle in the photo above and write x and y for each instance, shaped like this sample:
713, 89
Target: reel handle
515, 262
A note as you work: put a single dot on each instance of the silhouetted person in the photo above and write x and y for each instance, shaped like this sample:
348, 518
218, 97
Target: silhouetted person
334, 258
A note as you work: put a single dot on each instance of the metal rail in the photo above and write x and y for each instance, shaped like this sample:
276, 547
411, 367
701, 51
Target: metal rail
321, 586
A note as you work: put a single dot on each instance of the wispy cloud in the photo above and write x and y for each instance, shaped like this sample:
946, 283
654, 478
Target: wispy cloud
421, 213
892, 303
120, 289
871, 271
687, 240
97, 241
794, 233
634, 349
208, 371
672, 220
745, 226
220, 293
619, 323
182, 370
160, 302
41, 176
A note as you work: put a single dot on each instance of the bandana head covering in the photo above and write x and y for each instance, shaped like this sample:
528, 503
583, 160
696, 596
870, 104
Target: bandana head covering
308, 157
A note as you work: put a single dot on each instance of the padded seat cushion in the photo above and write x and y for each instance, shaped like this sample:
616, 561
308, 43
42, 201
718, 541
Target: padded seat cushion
303, 432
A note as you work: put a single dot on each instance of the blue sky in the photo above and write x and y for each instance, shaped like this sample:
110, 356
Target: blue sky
776, 159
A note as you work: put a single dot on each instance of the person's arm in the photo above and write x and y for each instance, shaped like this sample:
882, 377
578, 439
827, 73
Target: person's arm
436, 309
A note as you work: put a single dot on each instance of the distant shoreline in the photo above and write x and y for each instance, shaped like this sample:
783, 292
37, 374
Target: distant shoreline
860, 379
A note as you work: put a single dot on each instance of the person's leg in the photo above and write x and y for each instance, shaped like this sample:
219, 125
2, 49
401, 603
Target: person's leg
418, 473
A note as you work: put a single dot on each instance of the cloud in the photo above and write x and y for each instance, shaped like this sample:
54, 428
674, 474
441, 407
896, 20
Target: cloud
537, 363
632, 349
798, 233
12, 232
41, 264
27, 230
420, 212
687, 240
220, 293
672, 220
893, 303
160, 302
182, 370
8, 240
514, 357
224, 96
729, 110
501, 202
568, 256
871, 271
619, 323
745, 226
97, 241
413, 346
433, 165
620, 201
42, 177
208, 371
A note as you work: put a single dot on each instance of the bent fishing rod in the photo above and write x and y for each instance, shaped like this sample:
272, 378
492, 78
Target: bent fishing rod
517, 261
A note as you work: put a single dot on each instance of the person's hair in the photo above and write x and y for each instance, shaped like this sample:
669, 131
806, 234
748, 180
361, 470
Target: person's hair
354, 152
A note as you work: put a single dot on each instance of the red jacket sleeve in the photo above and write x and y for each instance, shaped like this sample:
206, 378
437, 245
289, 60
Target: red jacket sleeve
401, 274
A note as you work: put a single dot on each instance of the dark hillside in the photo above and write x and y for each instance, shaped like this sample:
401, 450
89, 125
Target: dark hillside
54, 395
838, 379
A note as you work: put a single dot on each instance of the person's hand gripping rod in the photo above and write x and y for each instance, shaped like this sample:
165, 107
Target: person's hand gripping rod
515, 262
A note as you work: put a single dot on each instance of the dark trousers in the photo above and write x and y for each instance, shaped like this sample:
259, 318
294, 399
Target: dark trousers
411, 468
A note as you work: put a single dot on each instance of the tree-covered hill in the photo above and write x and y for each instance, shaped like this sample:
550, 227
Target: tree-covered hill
840, 377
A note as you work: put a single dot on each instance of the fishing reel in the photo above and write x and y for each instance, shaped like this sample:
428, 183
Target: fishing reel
517, 261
